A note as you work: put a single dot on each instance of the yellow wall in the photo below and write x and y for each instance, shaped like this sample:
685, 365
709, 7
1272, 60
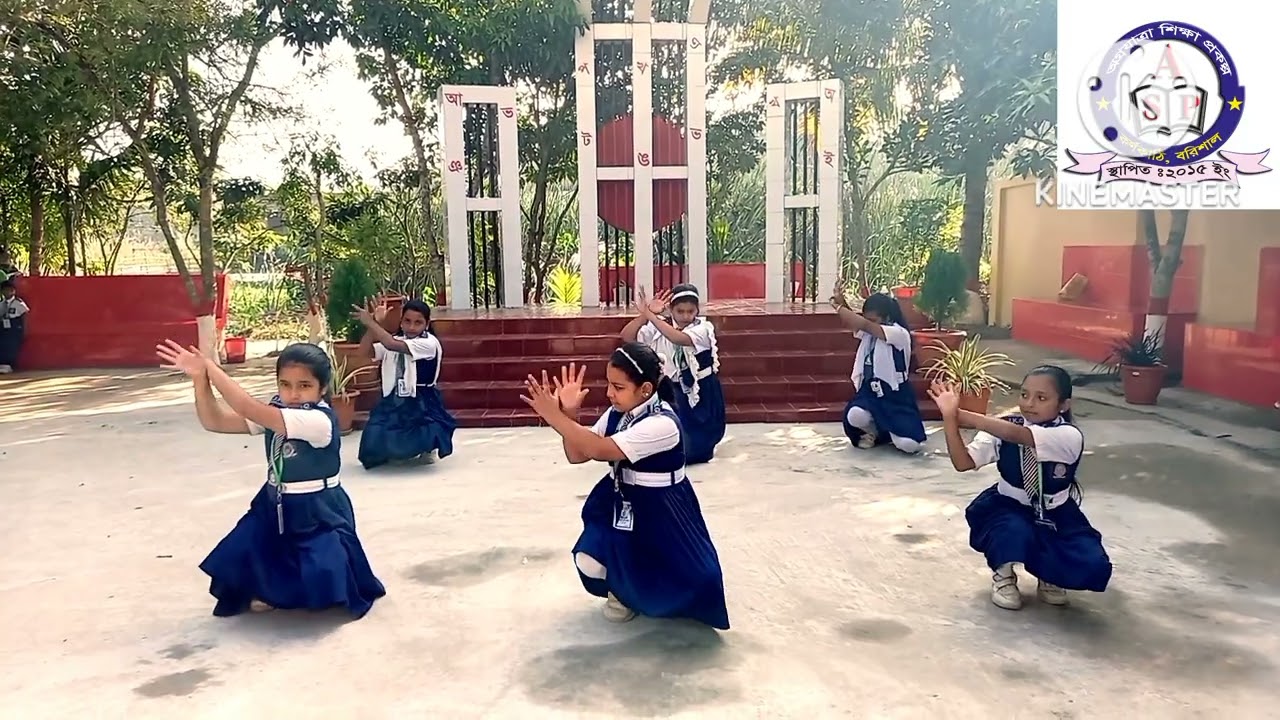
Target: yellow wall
1027, 242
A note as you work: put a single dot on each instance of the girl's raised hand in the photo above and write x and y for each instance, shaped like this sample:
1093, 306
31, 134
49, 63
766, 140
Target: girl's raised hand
569, 387
945, 397
363, 313
541, 396
378, 310
660, 302
175, 357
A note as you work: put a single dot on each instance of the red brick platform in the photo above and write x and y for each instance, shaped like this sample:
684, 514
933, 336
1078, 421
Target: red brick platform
780, 363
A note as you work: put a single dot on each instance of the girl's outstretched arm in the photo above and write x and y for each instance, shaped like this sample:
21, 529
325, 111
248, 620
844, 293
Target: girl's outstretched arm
961, 460
671, 332
213, 416
244, 404
855, 320
376, 333
631, 330
1003, 429
579, 441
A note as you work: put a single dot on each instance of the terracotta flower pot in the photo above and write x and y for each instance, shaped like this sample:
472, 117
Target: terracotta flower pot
395, 308
976, 403
349, 353
1142, 384
235, 348
344, 406
369, 384
923, 350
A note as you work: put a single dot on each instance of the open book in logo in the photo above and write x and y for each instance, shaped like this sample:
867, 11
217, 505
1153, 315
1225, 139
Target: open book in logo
1163, 111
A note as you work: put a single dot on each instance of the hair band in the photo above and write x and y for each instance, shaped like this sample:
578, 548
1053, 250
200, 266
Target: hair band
632, 360
684, 294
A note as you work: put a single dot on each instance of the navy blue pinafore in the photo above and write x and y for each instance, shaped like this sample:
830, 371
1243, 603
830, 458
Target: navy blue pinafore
895, 412
295, 550
1049, 535
703, 424
402, 428
651, 537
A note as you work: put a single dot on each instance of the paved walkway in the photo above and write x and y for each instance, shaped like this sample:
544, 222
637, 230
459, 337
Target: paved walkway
852, 591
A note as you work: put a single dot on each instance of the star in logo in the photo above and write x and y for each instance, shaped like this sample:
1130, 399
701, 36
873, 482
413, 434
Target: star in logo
1235, 103
1103, 104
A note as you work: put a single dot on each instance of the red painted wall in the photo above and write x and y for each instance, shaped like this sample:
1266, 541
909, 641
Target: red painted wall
1120, 277
108, 320
1268, 319
728, 281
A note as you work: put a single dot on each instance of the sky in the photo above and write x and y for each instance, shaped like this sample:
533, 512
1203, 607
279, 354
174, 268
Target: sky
337, 104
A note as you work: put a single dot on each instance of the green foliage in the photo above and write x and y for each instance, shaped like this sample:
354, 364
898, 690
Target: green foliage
968, 368
1134, 350
351, 285
564, 287
270, 309
942, 295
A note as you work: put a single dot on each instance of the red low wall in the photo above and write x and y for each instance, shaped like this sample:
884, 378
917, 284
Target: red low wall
105, 321
1088, 332
1241, 365
1120, 277
727, 281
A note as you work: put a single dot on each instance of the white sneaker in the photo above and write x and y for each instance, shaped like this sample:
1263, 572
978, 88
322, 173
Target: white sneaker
257, 606
615, 611
5, 369
1004, 590
1050, 594
868, 439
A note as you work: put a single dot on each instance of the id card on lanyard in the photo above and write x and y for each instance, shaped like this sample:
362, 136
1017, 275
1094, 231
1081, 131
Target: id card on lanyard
623, 518
869, 368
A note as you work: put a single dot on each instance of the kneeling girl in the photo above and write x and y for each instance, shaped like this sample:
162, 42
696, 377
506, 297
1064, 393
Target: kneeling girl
644, 544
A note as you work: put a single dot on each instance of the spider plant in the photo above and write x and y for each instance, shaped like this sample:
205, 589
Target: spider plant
340, 378
1133, 350
968, 368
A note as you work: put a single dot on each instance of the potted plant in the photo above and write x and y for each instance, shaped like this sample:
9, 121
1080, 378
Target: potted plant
350, 285
394, 303
1137, 359
943, 297
968, 369
342, 395
906, 297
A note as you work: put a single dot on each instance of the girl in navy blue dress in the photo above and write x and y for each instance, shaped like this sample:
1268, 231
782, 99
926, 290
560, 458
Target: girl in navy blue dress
1032, 514
296, 547
883, 408
688, 342
644, 545
410, 421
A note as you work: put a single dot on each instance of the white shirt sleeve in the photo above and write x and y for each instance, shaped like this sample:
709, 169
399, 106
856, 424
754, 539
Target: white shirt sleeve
18, 308
379, 351
1058, 444
313, 426
602, 424
897, 336
648, 334
423, 347
650, 436
701, 334
984, 449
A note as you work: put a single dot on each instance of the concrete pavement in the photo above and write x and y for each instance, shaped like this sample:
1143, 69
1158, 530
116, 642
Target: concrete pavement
852, 590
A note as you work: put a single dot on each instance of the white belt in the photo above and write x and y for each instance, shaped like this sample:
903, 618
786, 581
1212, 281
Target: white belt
651, 479
704, 373
1051, 502
309, 486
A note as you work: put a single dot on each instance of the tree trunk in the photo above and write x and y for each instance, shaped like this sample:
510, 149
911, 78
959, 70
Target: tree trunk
315, 326
207, 299
413, 128
1164, 263
975, 214
35, 201
69, 232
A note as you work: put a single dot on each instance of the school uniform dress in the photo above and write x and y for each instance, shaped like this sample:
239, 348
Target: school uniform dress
700, 397
296, 548
1031, 515
883, 392
13, 323
644, 539
410, 419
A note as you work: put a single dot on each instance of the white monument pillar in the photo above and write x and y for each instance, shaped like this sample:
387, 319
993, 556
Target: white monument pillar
777, 256
458, 202
642, 32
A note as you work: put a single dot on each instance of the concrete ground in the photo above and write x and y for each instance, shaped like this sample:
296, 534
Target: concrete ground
852, 590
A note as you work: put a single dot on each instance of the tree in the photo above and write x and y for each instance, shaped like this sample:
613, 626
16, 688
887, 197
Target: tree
877, 49
1164, 262
407, 49
991, 48
177, 76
